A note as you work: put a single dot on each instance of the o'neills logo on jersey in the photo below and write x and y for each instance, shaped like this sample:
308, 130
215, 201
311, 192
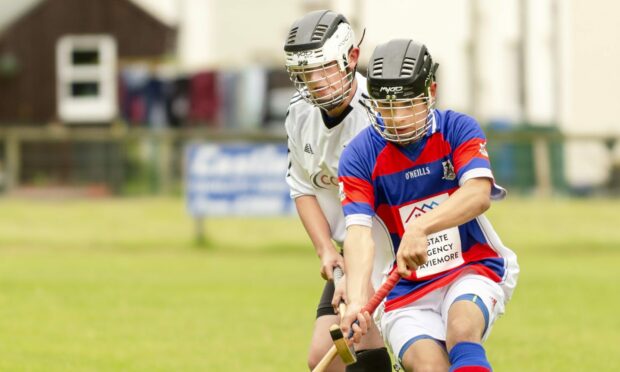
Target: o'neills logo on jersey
324, 181
418, 172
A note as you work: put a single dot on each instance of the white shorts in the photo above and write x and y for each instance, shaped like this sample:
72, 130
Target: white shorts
427, 317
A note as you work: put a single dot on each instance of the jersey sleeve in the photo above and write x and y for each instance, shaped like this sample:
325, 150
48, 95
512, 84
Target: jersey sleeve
470, 156
297, 178
356, 189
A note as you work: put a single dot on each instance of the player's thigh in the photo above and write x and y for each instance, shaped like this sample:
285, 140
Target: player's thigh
473, 296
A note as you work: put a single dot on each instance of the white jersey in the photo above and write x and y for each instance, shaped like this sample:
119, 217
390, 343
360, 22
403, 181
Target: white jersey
315, 143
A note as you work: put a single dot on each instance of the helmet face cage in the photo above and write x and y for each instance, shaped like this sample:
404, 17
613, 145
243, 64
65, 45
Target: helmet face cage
323, 76
401, 121
325, 86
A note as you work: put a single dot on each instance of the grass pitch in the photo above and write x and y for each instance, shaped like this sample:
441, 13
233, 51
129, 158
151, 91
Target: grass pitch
118, 285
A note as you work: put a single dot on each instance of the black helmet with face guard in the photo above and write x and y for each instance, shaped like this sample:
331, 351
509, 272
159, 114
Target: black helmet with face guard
400, 74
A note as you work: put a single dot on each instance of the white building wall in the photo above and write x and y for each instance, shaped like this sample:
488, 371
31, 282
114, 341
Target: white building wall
576, 86
442, 25
497, 73
593, 56
197, 37
539, 76
250, 32
590, 56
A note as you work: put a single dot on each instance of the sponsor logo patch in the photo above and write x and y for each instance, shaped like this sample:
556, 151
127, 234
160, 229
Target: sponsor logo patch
444, 247
324, 181
448, 170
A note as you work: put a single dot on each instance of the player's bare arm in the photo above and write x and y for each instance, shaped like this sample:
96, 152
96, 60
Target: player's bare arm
318, 230
340, 294
359, 252
468, 202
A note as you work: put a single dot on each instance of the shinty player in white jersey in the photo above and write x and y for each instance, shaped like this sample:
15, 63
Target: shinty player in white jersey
325, 114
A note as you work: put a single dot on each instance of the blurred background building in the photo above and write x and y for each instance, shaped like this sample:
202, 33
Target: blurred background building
104, 95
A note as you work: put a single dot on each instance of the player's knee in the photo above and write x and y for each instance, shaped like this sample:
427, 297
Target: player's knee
375, 360
425, 362
463, 330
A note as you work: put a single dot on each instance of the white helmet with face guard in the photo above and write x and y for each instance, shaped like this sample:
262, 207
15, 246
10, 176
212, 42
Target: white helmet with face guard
317, 58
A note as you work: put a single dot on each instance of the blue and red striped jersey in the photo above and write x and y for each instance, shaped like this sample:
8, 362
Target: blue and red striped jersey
399, 183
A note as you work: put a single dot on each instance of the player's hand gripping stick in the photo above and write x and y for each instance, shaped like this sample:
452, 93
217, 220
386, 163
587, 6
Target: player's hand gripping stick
338, 274
340, 344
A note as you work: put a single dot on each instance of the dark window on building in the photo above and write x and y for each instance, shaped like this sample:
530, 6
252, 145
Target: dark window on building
85, 89
85, 57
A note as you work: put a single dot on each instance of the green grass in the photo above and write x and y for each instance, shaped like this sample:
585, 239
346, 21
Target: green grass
118, 285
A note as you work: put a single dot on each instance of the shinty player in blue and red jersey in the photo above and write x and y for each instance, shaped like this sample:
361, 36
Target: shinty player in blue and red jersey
426, 174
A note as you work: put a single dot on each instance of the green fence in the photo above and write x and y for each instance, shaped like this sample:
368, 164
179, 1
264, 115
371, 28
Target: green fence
525, 158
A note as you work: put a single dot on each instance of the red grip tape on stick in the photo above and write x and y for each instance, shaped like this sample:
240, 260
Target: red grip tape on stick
379, 295
383, 291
